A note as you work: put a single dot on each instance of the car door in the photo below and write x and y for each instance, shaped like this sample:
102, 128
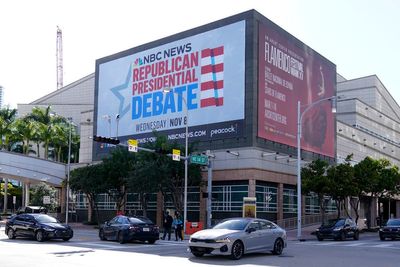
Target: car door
252, 237
110, 228
18, 225
30, 226
269, 233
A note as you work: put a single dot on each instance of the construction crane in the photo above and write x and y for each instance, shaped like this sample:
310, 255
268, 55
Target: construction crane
59, 59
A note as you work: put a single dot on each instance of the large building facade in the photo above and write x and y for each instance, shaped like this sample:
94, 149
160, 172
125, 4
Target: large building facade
241, 79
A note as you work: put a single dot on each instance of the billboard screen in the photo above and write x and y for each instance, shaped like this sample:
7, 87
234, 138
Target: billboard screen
205, 73
289, 72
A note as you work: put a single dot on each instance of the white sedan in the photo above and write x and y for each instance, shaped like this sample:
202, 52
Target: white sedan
238, 236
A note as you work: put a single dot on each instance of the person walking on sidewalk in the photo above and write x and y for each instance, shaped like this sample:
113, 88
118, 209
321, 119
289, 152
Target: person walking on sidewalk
167, 225
178, 225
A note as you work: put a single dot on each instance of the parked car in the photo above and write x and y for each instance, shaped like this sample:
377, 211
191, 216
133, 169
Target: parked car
128, 228
32, 209
238, 236
390, 230
338, 229
39, 226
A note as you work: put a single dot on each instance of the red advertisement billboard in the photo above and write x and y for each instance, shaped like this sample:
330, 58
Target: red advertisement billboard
289, 71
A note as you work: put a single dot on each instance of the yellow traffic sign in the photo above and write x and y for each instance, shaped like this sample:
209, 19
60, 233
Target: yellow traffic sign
132, 145
176, 154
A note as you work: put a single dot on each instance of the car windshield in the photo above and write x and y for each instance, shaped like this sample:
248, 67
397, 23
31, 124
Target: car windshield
139, 220
237, 224
393, 222
46, 219
334, 222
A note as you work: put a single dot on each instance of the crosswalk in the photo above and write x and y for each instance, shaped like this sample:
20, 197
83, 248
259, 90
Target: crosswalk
361, 244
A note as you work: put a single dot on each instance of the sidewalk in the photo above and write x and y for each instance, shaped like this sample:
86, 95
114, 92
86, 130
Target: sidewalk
306, 233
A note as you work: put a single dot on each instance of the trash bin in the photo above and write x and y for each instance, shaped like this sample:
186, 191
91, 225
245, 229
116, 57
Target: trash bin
193, 227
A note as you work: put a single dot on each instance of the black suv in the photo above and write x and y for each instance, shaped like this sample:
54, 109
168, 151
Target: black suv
338, 229
390, 230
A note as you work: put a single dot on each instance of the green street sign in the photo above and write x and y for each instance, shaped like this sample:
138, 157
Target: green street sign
199, 159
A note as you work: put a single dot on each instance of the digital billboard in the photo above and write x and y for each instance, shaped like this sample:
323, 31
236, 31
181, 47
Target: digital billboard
205, 73
289, 71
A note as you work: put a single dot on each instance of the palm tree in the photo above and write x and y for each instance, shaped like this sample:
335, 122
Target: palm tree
7, 116
48, 120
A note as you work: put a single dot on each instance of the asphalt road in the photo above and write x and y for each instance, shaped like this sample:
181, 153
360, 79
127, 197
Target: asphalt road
85, 249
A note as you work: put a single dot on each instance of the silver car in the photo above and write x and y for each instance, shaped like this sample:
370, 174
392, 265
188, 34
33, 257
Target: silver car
238, 236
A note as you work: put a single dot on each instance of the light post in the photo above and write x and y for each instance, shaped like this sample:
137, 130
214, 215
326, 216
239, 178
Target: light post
299, 120
117, 117
108, 118
167, 90
68, 169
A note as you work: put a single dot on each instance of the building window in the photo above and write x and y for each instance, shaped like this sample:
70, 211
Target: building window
312, 204
228, 197
193, 200
267, 198
289, 200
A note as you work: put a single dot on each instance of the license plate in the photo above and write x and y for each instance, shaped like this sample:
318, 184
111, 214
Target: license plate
146, 229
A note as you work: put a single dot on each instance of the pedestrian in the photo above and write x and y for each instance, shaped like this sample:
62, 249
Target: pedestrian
167, 225
178, 225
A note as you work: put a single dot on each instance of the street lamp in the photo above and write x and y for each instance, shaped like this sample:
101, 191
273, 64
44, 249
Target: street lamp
167, 90
68, 169
108, 118
299, 119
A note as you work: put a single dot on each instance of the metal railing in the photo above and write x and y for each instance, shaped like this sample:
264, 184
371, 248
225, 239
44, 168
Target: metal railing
306, 220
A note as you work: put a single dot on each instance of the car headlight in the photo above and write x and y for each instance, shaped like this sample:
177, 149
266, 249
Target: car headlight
223, 240
337, 229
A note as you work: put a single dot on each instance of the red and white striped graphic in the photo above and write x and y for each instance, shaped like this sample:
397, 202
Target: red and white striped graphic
212, 77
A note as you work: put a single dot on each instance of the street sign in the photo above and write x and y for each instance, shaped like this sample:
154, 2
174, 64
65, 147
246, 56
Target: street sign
176, 154
46, 199
132, 145
199, 159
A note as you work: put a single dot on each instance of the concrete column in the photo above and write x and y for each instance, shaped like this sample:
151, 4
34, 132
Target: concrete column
252, 188
280, 202
23, 193
27, 193
397, 214
5, 195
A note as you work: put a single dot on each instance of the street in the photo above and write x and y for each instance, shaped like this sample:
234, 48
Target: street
85, 249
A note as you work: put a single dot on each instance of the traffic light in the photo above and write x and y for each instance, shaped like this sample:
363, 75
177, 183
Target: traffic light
105, 140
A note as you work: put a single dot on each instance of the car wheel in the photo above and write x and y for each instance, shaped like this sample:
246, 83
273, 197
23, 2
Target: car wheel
151, 241
11, 234
278, 247
39, 236
66, 238
356, 235
198, 254
237, 250
121, 238
382, 238
319, 237
101, 235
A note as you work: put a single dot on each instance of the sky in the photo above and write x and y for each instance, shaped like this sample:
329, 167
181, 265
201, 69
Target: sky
362, 37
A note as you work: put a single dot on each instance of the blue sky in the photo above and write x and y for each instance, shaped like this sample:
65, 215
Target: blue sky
362, 37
